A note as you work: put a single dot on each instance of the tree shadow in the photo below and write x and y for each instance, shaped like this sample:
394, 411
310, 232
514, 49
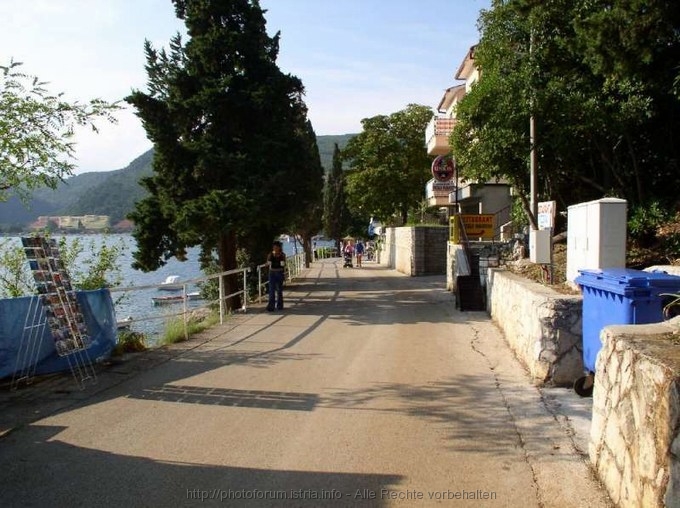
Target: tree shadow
475, 413
42, 470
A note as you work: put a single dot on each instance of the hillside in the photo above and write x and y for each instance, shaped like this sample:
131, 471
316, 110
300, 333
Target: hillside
112, 193
326, 145
115, 196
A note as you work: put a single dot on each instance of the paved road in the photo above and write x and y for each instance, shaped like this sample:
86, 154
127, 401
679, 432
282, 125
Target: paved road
368, 390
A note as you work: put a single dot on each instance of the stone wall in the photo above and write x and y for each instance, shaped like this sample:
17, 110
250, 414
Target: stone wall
634, 441
451, 249
542, 326
416, 250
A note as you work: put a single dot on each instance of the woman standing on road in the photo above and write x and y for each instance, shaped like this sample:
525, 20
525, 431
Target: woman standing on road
276, 261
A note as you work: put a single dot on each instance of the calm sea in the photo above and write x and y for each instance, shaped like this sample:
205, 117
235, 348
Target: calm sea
138, 304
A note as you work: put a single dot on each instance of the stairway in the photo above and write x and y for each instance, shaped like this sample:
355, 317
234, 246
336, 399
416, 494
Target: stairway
469, 292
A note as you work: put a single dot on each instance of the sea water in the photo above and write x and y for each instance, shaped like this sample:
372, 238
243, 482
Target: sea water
137, 303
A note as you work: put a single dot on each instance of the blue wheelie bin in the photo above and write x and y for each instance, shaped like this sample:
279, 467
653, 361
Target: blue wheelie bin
618, 296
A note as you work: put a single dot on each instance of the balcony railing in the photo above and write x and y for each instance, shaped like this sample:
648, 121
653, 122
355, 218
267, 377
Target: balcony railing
437, 135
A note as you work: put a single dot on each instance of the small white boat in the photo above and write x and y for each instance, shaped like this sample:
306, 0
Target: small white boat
171, 283
124, 324
167, 300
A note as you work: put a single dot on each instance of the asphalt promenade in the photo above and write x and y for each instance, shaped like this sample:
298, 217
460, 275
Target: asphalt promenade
369, 389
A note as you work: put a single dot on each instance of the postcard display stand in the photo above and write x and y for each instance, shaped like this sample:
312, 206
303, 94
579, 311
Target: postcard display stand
56, 307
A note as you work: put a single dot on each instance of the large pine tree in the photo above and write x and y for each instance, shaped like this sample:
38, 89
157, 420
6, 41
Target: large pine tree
228, 132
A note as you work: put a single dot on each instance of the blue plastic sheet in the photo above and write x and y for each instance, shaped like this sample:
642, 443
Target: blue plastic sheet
99, 315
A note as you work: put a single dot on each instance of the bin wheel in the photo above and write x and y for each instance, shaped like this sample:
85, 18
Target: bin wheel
583, 386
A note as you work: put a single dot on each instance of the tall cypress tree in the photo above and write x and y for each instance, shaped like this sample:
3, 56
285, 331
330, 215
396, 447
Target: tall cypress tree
309, 210
334, 214
225, 123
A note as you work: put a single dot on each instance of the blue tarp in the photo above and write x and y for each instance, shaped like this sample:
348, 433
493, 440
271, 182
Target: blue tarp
99, 315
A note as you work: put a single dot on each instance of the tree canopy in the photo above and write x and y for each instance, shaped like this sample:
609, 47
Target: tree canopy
600, 79
37, 131
389, 165
230, 135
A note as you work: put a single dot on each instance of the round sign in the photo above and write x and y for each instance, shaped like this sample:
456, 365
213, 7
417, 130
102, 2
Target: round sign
443, 168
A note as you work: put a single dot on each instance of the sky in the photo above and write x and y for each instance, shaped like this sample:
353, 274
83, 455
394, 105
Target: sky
356, 58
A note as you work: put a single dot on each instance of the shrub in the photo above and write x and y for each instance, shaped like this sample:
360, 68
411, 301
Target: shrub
174, 328
130, 342
644, 221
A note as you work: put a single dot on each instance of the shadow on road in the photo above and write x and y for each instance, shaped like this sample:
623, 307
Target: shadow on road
120, 480
469, 411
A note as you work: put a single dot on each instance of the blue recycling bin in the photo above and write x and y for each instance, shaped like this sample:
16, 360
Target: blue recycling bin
618, 296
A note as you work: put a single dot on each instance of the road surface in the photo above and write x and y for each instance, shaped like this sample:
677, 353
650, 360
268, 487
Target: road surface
369, 389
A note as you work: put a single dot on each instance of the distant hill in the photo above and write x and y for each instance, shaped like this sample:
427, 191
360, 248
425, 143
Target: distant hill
112, 193
116, 195
326, 146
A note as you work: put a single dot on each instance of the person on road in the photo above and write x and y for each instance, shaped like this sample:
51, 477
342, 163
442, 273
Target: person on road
359, 251
348, 252
276, 261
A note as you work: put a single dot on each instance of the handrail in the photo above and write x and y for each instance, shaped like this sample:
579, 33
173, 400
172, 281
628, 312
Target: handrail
294, 265
221, 299
260, 284
500, 218
464, 241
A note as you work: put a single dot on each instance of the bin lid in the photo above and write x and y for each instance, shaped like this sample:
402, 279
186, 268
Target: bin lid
618, 280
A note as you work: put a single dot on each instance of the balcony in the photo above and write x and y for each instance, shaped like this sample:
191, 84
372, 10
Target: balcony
437, 193
437, 135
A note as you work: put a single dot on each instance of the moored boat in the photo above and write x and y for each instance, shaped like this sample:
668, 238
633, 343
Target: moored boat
171, 283
167, 300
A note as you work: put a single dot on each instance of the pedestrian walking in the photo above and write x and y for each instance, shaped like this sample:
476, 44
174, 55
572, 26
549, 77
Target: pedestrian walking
359, 252
276, 261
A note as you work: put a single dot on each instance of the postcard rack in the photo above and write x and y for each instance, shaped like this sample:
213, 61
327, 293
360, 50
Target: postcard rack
57, 308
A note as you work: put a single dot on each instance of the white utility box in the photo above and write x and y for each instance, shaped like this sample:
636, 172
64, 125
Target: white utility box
540, 246
596, 236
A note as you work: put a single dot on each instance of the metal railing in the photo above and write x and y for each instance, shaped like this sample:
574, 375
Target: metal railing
501, 218
294, 265
325, 253
184, 298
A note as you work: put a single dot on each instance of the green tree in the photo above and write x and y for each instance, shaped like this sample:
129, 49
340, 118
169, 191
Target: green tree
226, 124
633, 48
37, 131
389, 165
309, 210
90, 265
598, 77
335, 210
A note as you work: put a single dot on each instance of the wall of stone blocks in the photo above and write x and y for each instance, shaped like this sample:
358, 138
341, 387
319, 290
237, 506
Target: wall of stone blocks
543, 327
416, 250
635, 431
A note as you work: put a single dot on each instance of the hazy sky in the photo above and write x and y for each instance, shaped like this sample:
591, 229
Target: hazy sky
356, 58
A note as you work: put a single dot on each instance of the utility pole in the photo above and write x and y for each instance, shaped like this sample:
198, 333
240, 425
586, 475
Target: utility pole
533, 177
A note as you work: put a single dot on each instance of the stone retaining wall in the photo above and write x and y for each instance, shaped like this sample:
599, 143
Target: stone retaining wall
634, 441
542, 326
417, 250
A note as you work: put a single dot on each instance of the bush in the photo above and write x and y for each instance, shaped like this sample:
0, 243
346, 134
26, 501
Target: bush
668, 234
130, 342
174, 328
644, 221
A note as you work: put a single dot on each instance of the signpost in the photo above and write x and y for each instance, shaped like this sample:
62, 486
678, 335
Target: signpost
475, 226
546, 220
546, 214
